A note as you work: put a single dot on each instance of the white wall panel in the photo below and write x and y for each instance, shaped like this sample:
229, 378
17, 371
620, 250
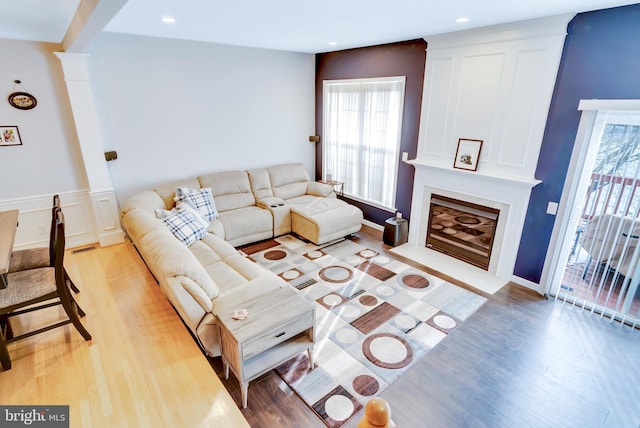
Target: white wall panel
522, 107
437, 86
34, 219
478, 98
493, 84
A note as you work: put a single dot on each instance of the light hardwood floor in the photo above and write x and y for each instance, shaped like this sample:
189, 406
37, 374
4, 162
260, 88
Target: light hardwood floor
141, 368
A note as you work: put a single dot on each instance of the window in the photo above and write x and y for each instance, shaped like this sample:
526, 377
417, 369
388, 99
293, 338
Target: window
362, 128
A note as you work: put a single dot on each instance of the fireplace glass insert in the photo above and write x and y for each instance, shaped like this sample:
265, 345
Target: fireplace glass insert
462, 229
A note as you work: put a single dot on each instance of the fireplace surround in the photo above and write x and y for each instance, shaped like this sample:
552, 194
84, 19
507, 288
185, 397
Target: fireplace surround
506, 194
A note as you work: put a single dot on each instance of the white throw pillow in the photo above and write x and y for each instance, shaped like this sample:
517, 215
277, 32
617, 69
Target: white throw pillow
186, 224
201, 199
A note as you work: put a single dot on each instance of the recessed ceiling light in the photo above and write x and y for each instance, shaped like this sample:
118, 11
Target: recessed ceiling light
168, 19
462, 19
333, 43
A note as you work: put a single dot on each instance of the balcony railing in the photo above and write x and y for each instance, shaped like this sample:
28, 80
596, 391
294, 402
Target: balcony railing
611, 194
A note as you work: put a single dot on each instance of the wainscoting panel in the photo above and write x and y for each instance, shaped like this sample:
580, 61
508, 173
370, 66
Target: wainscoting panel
436, 100
493, 84
34, 220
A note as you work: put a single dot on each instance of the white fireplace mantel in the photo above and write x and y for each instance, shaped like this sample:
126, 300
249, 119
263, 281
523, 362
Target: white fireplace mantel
509, 194
496, 176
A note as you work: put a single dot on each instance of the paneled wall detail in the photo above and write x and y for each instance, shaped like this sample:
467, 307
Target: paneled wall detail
493, 84
34, 220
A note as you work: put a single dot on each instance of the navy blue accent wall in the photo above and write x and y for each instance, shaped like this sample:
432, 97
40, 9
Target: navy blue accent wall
601, 59
395, 59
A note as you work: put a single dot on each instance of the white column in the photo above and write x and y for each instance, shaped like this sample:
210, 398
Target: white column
101, 191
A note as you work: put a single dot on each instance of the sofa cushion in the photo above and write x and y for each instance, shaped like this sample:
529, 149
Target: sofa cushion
288, 180
260, 183
230, 189
325, 219
321, 189
139, 222
201, 199
245, 221
171, 260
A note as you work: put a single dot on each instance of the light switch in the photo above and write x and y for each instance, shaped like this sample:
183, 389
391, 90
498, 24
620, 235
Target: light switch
552, 208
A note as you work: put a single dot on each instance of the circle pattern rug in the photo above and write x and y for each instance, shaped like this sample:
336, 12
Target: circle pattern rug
375, 317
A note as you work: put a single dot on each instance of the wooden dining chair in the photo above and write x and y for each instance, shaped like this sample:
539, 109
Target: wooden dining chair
34, 289
34, 258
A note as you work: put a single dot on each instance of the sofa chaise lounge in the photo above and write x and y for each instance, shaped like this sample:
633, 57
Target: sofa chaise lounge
203, 277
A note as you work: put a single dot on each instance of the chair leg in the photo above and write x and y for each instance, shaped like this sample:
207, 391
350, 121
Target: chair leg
5, 327
5, 360
79, 310
71, 308
70, 283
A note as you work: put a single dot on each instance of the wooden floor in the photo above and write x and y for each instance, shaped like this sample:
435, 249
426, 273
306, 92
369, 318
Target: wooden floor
519, 361
141, 368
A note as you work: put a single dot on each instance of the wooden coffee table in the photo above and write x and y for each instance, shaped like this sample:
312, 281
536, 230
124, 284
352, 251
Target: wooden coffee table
278, 326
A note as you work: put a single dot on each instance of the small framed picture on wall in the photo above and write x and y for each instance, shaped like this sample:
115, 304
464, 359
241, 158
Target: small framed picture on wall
10, 136
467, 154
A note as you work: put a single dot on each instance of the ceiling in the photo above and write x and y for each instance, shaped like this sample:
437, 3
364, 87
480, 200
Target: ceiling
291, 25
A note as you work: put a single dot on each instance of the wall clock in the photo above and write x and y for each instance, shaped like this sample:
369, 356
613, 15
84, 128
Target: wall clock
22, 100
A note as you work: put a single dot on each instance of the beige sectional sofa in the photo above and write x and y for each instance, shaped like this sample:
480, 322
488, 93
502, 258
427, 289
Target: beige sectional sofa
209, 274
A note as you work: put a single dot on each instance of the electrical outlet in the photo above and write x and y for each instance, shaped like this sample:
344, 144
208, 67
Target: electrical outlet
42, 229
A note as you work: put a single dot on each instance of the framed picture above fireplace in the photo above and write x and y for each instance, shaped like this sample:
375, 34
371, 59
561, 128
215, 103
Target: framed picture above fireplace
467, 154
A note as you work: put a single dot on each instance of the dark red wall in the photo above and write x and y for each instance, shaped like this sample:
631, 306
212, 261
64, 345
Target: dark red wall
396, 59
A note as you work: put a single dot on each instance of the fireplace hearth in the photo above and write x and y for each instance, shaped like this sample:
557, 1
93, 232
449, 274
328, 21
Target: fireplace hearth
462, 229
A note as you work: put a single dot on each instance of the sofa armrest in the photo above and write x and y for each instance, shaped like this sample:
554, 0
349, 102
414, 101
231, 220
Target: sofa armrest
238, 296
271, 202
320, 189
281, 213
196, 292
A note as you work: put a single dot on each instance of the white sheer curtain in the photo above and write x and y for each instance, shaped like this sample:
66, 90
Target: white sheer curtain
362, 127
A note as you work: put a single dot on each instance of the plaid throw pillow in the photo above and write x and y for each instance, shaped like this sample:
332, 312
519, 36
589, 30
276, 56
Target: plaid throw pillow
201, 199
185, 226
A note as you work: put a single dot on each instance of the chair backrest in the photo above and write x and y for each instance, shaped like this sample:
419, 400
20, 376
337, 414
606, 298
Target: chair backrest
52, 229
59, 245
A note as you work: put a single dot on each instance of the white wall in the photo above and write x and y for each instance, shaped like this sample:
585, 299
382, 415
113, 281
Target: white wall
49, 159
174, 109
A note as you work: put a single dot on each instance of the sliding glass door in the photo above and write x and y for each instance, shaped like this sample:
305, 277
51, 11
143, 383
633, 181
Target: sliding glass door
598, 257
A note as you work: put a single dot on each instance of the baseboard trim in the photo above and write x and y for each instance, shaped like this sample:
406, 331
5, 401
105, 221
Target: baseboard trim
373, 225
